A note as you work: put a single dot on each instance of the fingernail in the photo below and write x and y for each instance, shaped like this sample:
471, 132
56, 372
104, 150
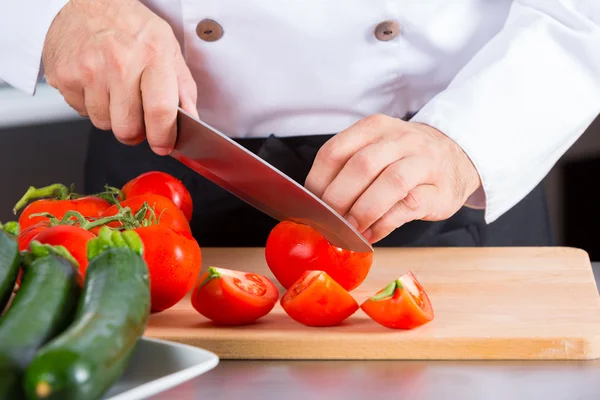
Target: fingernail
352, 221
162, 151
368, 234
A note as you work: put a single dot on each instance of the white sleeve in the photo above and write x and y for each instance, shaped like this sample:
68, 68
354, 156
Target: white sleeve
23, 28
524, 99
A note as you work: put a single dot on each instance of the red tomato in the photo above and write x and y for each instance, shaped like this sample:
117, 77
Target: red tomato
30, 232
403, 304
294, 248
156, 182
174, 261
230, 297
317, 300
89, 207
167, 213
73, 238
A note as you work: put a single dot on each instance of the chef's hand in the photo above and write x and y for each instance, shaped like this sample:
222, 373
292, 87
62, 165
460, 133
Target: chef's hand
383, 172
120, 64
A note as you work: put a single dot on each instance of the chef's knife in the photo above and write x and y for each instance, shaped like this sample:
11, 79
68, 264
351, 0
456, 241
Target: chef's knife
221, 160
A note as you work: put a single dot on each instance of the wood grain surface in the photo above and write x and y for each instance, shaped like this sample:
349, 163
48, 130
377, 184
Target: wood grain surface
489, 303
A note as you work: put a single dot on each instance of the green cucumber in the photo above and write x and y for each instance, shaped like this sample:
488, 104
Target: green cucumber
10, 261
41, 309
87, 358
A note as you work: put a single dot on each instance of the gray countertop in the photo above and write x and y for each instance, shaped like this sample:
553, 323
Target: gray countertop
414, 380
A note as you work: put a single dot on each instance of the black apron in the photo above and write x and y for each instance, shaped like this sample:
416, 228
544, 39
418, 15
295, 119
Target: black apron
222, 220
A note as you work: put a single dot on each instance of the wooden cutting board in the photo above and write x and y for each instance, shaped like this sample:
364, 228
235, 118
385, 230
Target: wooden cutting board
489, 303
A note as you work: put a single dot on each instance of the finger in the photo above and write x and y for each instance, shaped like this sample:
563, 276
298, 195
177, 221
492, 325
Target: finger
97, 104
126, 113
76, 100
418, 204
188, 92
391, 187
334, 154
160, 98
359, 173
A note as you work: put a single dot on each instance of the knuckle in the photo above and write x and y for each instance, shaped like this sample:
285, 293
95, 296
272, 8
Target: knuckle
88, 67
161, 113
64, 78
363, 162
328, 154
376, 119
366, 216
410, 203
397, 179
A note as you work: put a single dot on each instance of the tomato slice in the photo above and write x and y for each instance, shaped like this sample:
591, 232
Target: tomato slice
315, 299
229, 297
403, 304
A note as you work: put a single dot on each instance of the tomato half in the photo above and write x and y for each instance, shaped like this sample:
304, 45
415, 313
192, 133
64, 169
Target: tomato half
174, 262
165, 211
403, 304
294, 248
230, 297
73, 238
317, 300
161, 183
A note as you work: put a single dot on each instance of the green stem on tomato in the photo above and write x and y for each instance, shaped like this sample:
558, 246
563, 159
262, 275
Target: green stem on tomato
387, 292
39, 250
108, 238
111, 194
57, 191
11, 227
212, 274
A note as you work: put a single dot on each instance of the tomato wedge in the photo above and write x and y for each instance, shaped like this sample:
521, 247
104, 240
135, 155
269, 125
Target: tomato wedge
315, 299
403, 304
229, 297
157, 182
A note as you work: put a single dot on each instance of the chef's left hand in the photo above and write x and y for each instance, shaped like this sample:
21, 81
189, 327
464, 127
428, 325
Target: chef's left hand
383, 172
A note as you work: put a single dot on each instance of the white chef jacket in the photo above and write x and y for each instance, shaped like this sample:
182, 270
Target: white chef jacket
514, 83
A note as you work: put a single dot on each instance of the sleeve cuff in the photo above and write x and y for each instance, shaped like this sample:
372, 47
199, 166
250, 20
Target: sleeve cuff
494, 197
22, 36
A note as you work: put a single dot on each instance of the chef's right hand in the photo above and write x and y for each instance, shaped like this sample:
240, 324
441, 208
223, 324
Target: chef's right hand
120, 64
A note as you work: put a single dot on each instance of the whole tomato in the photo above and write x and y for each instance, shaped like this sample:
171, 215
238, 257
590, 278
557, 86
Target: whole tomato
166, 212
156, 182
89, 207
174, 262
294, 248
30, 232
73, 238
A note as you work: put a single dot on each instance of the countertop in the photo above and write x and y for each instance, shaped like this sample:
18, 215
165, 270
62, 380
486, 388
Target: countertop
414, 380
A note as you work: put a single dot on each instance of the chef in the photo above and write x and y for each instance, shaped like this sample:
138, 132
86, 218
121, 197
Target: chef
424, 123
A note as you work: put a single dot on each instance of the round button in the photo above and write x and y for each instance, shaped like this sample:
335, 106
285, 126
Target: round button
209, 30
387, 30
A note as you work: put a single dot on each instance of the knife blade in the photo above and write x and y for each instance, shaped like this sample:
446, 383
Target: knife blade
218, 158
